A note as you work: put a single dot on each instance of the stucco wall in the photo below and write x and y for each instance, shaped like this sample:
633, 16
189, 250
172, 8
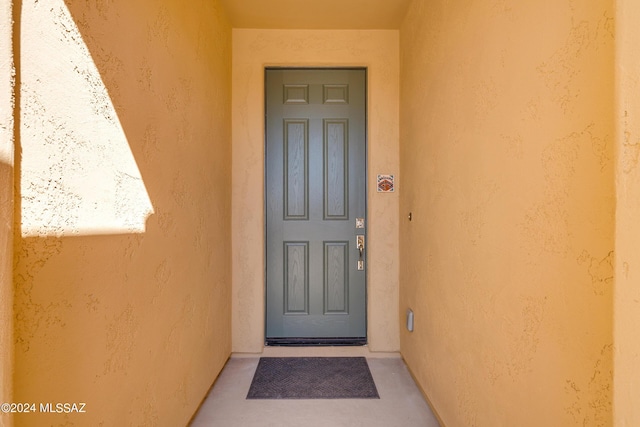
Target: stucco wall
627, 292
253, 50
507, 161
123, 284
6, 206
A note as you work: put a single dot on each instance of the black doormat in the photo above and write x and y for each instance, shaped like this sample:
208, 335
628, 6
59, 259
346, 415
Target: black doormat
313, 378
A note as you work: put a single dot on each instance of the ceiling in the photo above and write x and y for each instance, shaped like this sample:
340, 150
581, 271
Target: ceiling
316, 14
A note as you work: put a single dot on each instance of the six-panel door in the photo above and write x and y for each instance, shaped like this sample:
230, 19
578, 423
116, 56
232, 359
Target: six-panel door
315, 190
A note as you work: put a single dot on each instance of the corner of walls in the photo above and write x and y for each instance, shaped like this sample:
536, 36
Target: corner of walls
627, 245
7, 140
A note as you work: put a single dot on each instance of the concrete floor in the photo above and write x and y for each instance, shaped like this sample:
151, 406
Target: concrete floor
400, 403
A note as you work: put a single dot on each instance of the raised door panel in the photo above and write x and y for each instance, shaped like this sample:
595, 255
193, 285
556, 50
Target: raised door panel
336, 169
296, 161
296, 279
296, 94
336, 277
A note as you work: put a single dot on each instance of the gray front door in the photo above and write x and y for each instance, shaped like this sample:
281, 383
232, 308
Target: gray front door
315, 205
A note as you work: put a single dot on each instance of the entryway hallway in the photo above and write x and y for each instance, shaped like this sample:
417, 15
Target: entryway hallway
132, 202
400, 403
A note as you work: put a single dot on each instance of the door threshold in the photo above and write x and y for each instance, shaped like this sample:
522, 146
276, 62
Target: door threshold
319, 351
315, 342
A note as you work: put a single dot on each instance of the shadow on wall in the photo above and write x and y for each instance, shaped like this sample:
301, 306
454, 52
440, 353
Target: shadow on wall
6, 290
125, 113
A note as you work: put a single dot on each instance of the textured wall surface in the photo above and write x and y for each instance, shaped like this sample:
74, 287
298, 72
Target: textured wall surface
90, 184
6, 206
507, 162
252, 51
627, 295
123, 287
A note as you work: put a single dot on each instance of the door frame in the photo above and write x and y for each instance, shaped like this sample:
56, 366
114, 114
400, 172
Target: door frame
318, 341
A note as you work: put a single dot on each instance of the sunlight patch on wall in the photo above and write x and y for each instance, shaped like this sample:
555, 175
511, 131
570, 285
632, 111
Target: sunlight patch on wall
6, 85
79, 176
6, 151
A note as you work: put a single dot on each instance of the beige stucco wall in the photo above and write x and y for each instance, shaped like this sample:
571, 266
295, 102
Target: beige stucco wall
6, 206
507, 162
627, 264
123, 284
253, 50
